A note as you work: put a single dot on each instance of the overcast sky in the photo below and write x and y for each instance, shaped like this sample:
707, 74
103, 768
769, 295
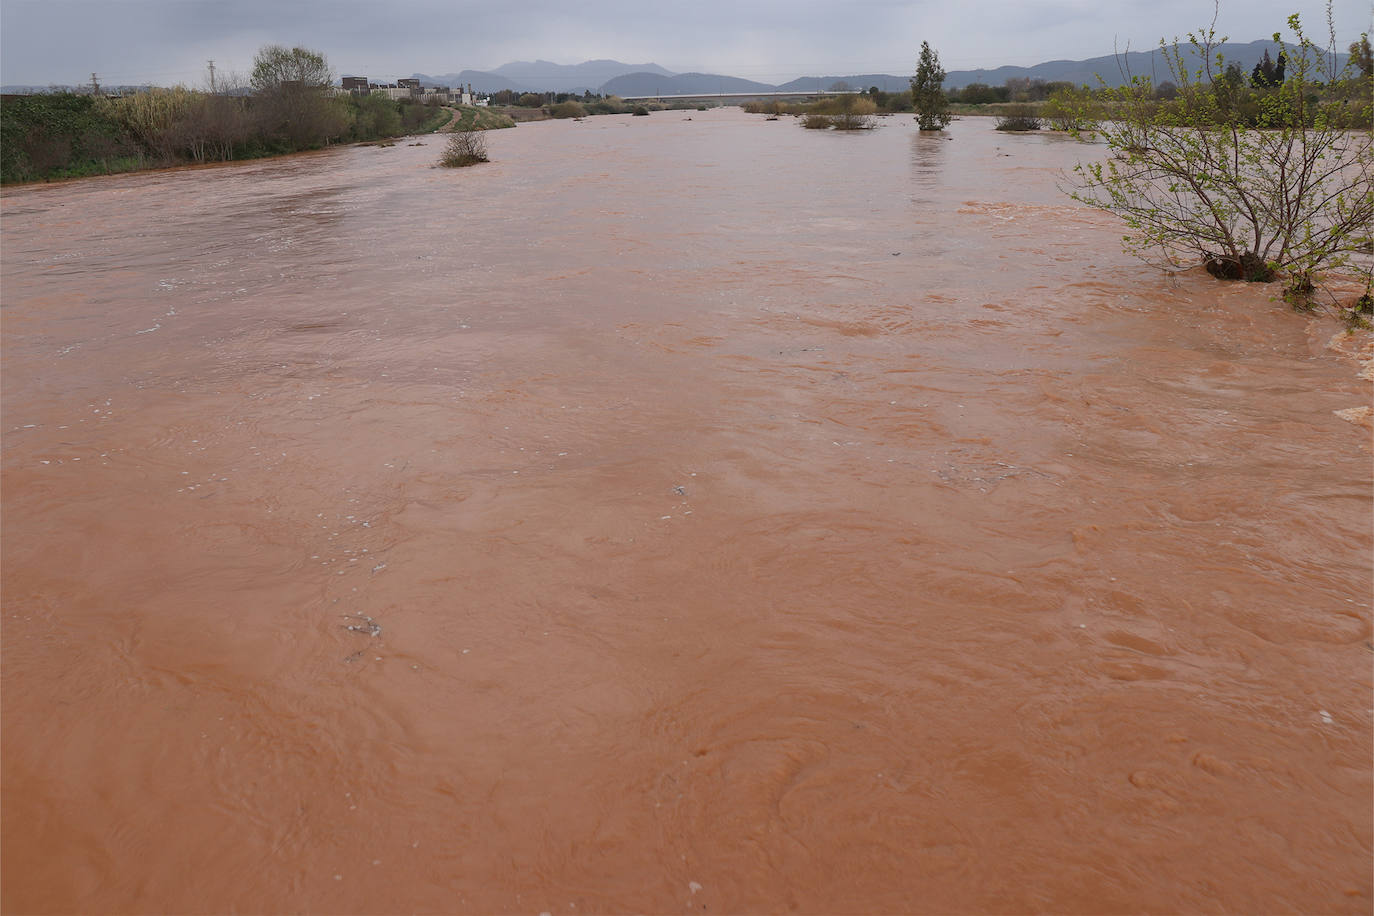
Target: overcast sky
165, 42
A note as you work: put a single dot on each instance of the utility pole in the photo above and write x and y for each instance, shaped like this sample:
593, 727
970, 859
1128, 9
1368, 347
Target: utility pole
212, 77
95, 85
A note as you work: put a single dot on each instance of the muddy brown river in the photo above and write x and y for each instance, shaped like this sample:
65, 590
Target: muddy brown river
689, 513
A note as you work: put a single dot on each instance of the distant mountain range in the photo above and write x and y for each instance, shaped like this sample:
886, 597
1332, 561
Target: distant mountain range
609, 77
542, 76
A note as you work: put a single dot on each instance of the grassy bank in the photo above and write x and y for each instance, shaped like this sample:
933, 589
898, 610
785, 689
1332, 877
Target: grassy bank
470, 117
518, 114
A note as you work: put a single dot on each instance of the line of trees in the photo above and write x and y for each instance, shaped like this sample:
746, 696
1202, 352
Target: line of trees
291, 106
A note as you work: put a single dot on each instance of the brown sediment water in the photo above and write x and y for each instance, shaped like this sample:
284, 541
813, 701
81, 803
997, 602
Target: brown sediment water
671, 515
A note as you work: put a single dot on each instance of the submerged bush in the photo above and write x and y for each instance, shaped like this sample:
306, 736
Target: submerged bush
855, 113
1020, 117
1071, 109
466, 147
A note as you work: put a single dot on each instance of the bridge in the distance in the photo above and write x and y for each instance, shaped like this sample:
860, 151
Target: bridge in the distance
701, 96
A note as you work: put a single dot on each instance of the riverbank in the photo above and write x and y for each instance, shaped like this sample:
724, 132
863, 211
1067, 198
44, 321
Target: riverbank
59, 136
474, 117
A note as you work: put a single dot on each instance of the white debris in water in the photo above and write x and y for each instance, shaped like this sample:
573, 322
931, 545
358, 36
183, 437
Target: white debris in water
693, 886
1326, 717
1354, 414
149, 330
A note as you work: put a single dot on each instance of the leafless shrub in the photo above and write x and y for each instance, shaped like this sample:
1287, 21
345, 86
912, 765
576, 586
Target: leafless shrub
465, 147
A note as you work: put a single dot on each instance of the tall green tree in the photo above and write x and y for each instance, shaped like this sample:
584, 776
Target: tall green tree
292, 101
274, 66
928, 93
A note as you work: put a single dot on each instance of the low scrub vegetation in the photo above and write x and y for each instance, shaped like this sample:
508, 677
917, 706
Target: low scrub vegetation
1022, 117
872, 102
854, 112
851, 111
568, 109
471, 117
1070, 109
464, 148
62, 135
611, 104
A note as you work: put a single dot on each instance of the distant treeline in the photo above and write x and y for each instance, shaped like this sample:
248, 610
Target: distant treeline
64, 135
572, 105
1244, 99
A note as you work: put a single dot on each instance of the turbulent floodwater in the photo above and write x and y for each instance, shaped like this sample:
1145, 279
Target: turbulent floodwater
683, 513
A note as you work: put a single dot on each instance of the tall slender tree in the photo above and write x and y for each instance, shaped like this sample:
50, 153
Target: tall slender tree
927, 91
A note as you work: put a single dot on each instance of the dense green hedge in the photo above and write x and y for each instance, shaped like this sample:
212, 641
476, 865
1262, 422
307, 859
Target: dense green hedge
60, 135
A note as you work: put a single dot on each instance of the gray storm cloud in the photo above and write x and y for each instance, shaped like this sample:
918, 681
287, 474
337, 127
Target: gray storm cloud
169, 41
